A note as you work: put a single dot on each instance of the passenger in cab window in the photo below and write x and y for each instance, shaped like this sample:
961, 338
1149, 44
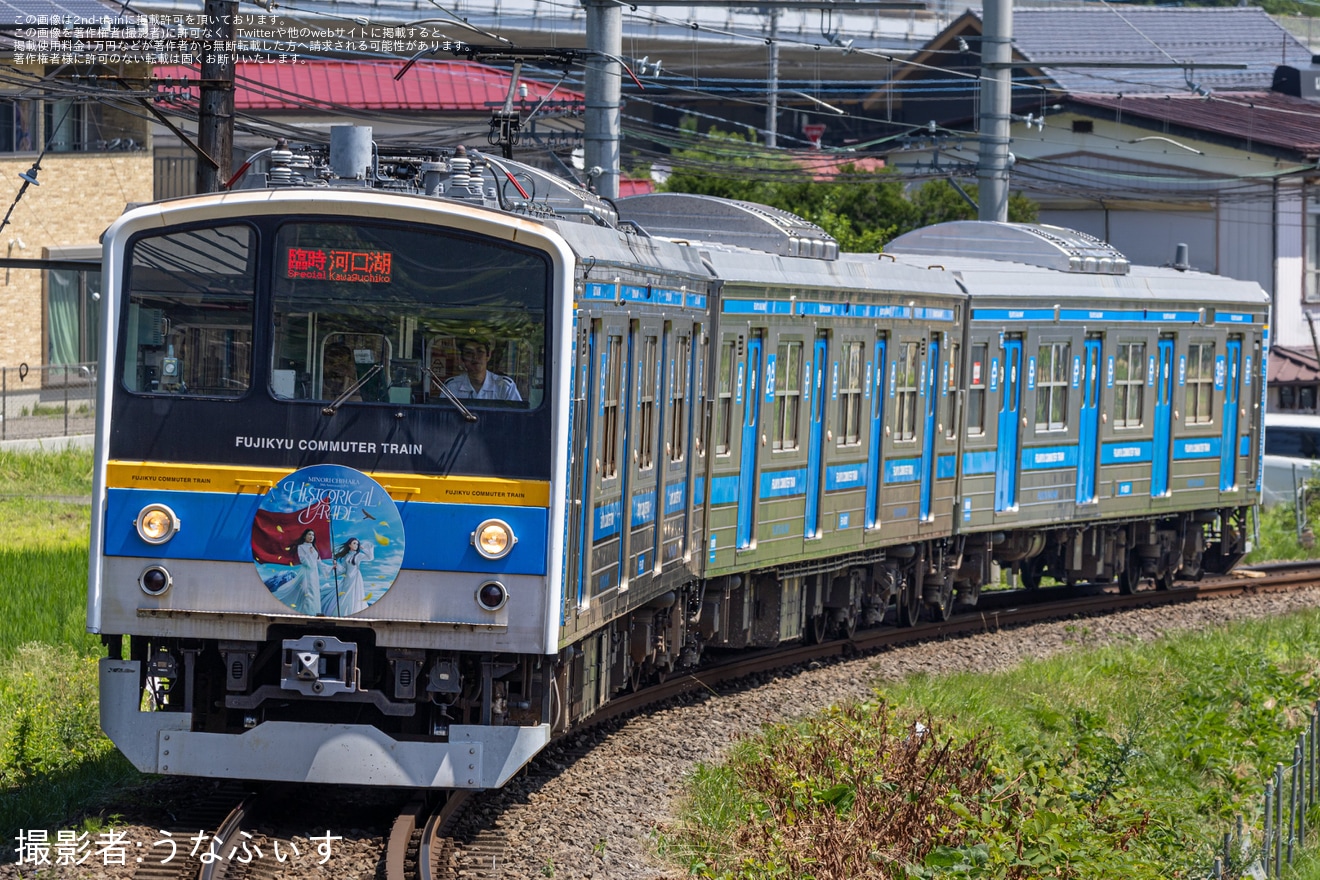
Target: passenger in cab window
478, 382
340, 372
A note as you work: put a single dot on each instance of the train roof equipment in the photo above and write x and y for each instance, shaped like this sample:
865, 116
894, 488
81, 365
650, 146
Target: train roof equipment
1049, 247
699, 219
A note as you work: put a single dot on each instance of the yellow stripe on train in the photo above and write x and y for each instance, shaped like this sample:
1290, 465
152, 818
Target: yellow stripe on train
402, 487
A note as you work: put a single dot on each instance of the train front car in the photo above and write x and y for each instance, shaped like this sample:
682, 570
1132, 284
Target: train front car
327, 449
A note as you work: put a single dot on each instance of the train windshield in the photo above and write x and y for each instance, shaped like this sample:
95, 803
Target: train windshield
190, 312
384, 314
362, 313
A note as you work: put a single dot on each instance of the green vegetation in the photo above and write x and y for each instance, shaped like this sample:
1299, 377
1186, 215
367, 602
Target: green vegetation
1119, 762
67, 472
1281, 539
54, 761
861, 209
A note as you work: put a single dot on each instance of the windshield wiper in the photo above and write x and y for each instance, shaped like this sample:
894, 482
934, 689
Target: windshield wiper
350, 391
448, 392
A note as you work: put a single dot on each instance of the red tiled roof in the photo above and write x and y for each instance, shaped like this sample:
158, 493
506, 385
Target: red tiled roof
1264, 118
436, 86
828, 166
1293, 365
635, 186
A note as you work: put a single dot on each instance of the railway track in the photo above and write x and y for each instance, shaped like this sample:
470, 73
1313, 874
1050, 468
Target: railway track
442, 836
446, 853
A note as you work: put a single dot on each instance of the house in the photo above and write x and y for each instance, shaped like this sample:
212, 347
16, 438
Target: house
1148, 127
74, 150
1294, 384
432, 103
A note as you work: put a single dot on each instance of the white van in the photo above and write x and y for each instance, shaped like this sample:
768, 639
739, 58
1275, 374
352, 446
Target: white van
1292, 448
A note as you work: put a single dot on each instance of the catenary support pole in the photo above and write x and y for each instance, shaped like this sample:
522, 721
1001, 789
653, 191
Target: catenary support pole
600, 146
996, 105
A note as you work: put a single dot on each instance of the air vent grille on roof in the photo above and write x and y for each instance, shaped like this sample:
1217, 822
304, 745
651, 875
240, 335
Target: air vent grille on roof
1050, 247
726, 221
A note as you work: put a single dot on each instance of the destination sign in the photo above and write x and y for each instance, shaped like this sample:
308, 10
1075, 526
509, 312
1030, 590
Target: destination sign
319, 264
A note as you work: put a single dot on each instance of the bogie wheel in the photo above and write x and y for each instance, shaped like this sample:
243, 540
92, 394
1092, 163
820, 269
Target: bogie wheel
1029, 573
909, 597
848, 625
1130, 578
942, 610
1164, 580
817, 628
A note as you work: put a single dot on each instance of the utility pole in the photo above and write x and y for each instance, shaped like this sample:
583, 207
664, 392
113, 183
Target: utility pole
215, 117
996, 107
772, 87
601, 134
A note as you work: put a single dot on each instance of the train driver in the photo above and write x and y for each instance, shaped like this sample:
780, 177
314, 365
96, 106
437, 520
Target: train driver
339, 372
476, 381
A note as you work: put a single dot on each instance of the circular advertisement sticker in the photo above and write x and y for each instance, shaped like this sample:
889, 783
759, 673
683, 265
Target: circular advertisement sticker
328, 540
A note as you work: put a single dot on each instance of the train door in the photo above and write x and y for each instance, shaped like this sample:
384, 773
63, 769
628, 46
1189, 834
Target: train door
628, 430
873, 470
1006, 455
1228, 443
1088, 423
587, 383
611, 348
751, 441
929, 386
1161, 454
677, 431
640, 445
1256, 428
815, 389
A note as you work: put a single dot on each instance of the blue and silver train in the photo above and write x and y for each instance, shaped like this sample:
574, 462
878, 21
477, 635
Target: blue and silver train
406, 463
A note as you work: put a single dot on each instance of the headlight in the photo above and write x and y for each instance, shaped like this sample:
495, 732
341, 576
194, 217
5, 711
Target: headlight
494, 539
156, 524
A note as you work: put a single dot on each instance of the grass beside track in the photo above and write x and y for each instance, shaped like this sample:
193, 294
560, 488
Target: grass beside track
1125, 761
54, 761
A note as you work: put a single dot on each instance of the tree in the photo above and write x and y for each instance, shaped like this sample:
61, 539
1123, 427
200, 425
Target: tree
862, 210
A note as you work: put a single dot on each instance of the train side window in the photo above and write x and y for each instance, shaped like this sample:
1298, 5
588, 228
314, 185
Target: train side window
610, 407
190, 312
976, 391
678, 399
724, 400
1052, 364
1129, 384
647, 379
788, 394
905, 392
850, 395
1200, 383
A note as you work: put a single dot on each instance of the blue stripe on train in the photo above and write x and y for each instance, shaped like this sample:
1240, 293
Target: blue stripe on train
1127, 453
218, 527
783, 484
1199, 447
975, 463
1046, 457
845, 476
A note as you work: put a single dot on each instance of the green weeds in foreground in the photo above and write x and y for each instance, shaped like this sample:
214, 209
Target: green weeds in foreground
65, 472
54, 760
1124, 761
